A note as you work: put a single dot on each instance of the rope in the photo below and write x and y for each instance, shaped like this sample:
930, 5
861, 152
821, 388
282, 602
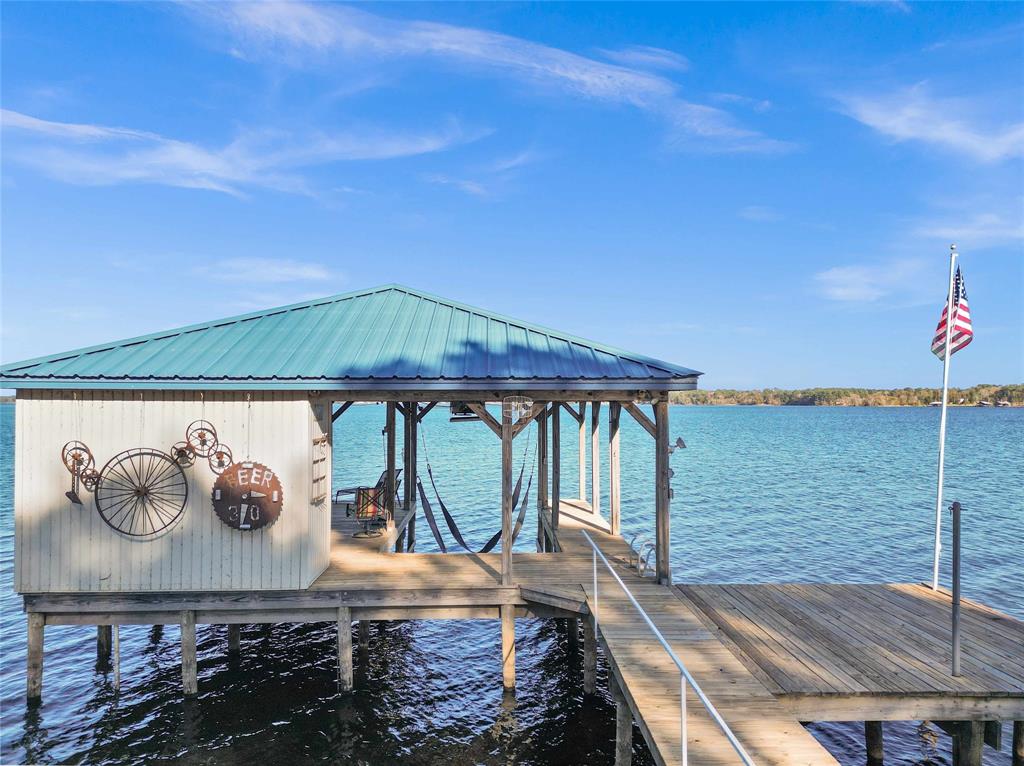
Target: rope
453, 527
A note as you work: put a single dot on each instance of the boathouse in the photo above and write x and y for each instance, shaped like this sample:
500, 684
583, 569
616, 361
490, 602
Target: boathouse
185, 477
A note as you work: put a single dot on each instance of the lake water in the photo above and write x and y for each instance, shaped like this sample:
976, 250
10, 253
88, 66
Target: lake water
761, 494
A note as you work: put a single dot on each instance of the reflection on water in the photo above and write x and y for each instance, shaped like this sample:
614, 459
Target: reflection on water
761, 494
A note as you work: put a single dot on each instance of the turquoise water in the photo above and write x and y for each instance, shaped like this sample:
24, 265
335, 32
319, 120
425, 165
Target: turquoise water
761, 494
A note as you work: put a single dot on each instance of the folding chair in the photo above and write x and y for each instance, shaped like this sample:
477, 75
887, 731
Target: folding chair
370, 511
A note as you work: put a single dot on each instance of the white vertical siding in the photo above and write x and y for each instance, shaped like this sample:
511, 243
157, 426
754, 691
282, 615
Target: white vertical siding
61, 547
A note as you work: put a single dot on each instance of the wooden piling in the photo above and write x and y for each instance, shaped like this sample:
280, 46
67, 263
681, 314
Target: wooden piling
34, 664
189, 673
589, 656
234, 639
116, 661
345, 674
1018, 743
103, 643
595, 457
506, 498
508, 646
663, 566
968, 741
583, 451
572, 627
623, 725
614, 469
873, 742
364, 634
556, 467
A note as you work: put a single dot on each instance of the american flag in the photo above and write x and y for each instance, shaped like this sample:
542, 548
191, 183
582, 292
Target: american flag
961, 334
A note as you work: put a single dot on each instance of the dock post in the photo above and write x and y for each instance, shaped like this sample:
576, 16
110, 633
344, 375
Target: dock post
508, 646
556, 470
506, 496
1018, 743
589, 656
116, 662
389, 482
595, 457
873, 742
34, 659
189, 680
572, 627
623, 724
968, 743
583, 451
614, 469
364, 634
662, 551
234, 639
103, 644
345, 648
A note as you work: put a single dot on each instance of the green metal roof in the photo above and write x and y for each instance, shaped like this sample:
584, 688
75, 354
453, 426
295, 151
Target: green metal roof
384, 338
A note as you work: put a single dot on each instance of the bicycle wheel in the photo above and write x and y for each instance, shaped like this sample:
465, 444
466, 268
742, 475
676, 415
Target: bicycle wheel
141, 492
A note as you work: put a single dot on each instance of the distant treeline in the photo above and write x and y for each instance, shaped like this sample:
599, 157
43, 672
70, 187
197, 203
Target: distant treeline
856, 397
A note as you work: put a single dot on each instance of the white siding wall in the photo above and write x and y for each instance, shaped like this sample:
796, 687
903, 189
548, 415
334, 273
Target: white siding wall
62, 547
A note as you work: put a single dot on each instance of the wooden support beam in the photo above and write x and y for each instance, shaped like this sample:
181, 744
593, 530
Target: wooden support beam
340, 411
556, 468
595, 457
542, 474
572, 626
189, 672
583, 451
576, 414
1018, 743
589, 656
410, 537
623, 725
408, 456
968, 743
480, 410
662, 547
103, 643
345, 674
508, 646
614, 470
234, 639
640, 417
873, 742
364, 634
523, 423
34, 658
506, 498
389, 482
116, 660
424, 410
994, 734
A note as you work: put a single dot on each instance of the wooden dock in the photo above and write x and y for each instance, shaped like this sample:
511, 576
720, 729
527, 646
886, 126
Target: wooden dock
767, 656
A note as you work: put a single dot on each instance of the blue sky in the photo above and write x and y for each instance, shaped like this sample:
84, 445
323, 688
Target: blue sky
764, 192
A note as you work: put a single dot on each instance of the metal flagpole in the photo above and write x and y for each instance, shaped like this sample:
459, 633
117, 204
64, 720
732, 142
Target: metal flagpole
942, 420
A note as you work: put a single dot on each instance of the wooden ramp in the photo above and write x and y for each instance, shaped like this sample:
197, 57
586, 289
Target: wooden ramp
870, 652
650, 680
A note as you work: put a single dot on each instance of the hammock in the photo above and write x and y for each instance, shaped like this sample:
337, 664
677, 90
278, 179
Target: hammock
450, 521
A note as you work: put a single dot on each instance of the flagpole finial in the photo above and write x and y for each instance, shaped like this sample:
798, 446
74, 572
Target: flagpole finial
953, 248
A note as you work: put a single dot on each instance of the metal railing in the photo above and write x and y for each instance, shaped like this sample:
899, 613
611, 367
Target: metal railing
684, 674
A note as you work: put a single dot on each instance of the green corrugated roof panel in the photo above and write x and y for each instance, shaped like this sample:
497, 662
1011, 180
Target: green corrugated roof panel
387, 337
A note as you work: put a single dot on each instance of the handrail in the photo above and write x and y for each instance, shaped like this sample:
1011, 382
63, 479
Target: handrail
684, 674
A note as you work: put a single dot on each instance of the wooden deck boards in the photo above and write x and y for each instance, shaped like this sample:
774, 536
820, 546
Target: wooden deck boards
826, 647
650, 680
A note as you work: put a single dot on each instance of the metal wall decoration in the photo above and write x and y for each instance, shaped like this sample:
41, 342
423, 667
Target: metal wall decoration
248, 496
142, 492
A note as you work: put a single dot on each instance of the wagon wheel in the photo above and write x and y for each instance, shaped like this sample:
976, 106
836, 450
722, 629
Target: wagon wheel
90, 479
220, 458
183, 454
76, 457
202, 437
141, 492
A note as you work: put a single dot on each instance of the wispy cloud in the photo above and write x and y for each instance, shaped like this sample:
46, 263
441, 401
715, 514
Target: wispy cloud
90, 154
757, 104
476, 188
760, 213
914, 114
977, 229
901, 6
866, 284
329, 35
647, 57
263, 271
